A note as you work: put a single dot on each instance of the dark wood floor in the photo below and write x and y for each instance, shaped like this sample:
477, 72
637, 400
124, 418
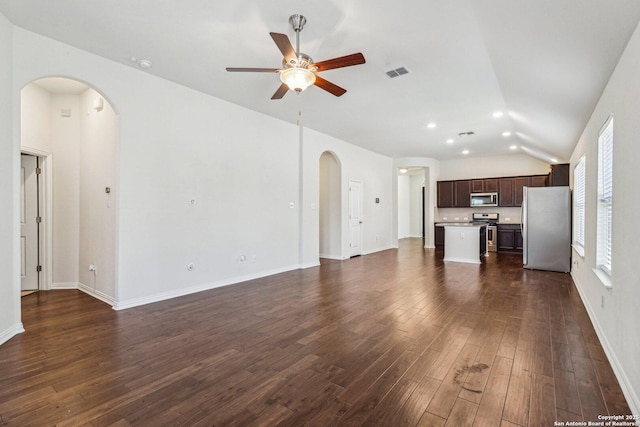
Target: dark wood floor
395, 338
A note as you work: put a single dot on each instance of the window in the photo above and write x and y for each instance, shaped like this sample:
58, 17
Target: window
605, 197
578, 207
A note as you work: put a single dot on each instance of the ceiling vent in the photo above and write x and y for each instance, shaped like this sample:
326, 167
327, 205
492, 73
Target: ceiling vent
397, 72
461, 134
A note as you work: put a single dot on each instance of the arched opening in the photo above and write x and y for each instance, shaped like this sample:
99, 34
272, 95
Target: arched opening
71, 131
330, 209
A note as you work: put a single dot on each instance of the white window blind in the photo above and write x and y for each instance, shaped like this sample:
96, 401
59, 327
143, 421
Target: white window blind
605, 196
579, 206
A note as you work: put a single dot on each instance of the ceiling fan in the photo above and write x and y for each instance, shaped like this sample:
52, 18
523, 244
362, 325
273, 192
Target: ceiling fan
298, 69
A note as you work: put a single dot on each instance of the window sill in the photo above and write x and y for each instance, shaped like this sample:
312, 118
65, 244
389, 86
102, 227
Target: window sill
604, 278
579, 250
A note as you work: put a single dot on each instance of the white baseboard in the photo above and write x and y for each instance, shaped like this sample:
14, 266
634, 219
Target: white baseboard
385, 248
327, 256
96, 294
465, 260
135, 302
65, 285
625, 383
309, 265
11, 332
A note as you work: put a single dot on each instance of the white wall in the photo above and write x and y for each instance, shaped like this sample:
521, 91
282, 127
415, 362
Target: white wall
97, 225
491, 166
617, 321
375, 173
9, 163
330, 207
410, 205
65, 141
35, 127
404, 206
178, 145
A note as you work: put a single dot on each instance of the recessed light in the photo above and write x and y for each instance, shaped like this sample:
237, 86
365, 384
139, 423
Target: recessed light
449, 141
431, 125
513, 147
554, 160
498, 114
465, 151
507, 133
403, 170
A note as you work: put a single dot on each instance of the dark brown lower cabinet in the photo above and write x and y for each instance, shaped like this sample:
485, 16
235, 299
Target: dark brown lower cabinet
439, 237
509, 238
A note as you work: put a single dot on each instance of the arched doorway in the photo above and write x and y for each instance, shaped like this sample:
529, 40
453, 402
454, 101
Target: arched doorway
330, 209
72, 131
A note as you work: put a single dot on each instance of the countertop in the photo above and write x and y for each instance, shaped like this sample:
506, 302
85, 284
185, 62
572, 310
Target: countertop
460, 224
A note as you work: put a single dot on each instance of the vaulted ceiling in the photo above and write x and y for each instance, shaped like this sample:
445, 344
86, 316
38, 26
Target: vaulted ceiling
543, 63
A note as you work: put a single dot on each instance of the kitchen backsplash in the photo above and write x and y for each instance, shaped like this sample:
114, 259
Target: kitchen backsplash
507, 215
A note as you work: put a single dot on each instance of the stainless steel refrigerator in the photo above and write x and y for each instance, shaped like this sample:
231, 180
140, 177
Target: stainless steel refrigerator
546, 228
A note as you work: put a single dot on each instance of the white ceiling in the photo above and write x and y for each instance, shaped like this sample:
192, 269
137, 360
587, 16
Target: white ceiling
543, 62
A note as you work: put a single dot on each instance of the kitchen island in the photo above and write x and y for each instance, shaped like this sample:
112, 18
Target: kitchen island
465, 242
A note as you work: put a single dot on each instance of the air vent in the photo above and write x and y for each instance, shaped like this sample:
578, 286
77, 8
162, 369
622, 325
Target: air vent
469, 133
397, 72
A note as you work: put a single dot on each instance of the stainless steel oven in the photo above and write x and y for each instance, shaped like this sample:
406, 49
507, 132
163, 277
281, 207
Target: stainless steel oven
491, 219
492, 238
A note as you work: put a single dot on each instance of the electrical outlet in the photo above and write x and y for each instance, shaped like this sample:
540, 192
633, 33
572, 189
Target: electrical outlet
92, 267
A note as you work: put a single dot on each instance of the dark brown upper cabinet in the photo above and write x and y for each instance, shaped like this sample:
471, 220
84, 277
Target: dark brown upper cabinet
491, 185
518, 184
445, 194
539, 180
462, 194
477, 185
559, 175
505, 190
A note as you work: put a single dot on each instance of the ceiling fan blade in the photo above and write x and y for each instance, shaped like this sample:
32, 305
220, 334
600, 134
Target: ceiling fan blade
329, 87
282, 90
253, 70
285, 46
343, 61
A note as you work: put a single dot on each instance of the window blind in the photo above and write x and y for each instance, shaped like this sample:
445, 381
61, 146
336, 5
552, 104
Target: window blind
605, 196
579, 206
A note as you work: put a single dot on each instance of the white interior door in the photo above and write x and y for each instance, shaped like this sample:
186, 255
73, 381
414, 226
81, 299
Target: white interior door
28, 223
355, 218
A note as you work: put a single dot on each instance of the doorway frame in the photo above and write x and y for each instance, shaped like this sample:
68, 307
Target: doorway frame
45, 199
339, 224
361, 243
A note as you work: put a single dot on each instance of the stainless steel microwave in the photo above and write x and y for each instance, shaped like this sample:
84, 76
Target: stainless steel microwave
484, 199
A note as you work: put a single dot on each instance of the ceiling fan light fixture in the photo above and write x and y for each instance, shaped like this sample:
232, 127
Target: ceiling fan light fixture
298, 79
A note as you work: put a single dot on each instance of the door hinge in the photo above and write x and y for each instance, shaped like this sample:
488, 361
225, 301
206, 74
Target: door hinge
38, 220
38, 171
39, 268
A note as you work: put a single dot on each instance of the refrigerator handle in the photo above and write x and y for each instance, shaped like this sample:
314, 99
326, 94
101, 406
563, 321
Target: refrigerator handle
523, 225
